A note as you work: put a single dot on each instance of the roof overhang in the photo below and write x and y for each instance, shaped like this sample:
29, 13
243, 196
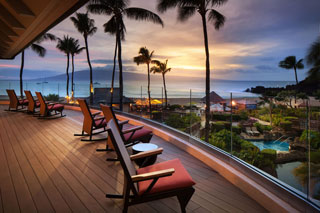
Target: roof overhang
22, 21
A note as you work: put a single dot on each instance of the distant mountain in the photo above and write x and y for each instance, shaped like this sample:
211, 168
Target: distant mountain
13, 74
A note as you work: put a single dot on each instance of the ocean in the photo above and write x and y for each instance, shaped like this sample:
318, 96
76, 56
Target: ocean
135, 88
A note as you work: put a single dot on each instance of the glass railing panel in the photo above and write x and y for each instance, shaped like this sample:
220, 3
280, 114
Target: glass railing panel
313, 138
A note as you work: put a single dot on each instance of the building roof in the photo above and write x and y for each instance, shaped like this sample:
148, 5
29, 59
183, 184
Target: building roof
214, 98
22, 22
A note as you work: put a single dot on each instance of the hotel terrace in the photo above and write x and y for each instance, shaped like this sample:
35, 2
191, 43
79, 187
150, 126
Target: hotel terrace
45, 168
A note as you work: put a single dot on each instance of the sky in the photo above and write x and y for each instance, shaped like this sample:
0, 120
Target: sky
256, 36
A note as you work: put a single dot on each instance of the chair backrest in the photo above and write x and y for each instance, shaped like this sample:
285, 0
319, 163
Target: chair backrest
122, 153
109, 115
87, 116
43, 105
13, 98
32, 103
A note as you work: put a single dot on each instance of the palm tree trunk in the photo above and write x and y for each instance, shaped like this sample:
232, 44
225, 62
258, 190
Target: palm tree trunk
90, 67
21, 73
149, 95
295, 72
295, 94
207, 110
120, 69
270, 112
72, 74
67, 72
113, 73
165, 91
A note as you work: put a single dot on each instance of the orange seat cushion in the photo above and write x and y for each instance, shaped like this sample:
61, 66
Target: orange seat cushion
137, 134
179, 179
23, 102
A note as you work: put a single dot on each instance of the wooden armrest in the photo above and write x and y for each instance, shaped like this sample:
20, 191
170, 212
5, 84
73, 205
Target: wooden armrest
131, 129
146, 154
99, 118
96, 113
123, 122
152, 175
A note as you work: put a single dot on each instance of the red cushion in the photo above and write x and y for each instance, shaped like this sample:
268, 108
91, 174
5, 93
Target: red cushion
137, 134
56, 107
100, 123
179, 179
23, 102
37, 104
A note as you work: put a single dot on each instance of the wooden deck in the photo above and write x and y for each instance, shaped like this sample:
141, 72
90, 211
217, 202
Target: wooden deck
45, 168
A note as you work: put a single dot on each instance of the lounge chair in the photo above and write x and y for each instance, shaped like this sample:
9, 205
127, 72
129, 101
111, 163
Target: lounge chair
33, 104
255, 132
158, 181
15, 103
130, 136
248, 130
91, 122
46, 108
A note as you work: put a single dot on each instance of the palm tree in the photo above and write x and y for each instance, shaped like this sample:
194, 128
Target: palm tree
163, 69
313, 59
291, 62
117, 9
145, 57
186, 9
110, 28
37, 48
64, 46
85, 26
74, 50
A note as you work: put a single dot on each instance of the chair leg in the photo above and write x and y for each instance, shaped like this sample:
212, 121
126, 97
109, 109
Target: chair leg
184, 198
126, 197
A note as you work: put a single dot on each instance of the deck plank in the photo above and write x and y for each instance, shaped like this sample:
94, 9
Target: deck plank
25, 200
9, 201
42, 160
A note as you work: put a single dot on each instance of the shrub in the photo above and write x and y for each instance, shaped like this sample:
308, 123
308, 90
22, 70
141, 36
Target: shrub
236, 129
181, 122
52, 97
174, 107
286, 125
290, 118
269, 153
220, 125
261, 128
314, 138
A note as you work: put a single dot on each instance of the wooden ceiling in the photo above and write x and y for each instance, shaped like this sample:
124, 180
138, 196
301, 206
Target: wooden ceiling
22, 21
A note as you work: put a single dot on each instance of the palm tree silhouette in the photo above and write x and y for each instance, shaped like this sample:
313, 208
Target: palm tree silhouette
162, 67
145, 57
64, 46
291, 62
74, 50
186, 9
85, 26
313, 59
37, 48
118, 9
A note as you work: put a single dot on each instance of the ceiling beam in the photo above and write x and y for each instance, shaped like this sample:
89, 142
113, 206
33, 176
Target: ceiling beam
4, 37
6, 16
7, 30
20, 7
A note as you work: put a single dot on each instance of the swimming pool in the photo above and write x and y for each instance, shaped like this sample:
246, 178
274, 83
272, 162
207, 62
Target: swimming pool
276, 145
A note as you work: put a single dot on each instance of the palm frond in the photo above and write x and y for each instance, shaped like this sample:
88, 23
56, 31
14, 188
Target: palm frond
300, 64
155, 69
139, 59
84, 24
100, 9
184, 13
164, 5
313, 54
156, 62
142, 15
41, 51
216, 18
217, 3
